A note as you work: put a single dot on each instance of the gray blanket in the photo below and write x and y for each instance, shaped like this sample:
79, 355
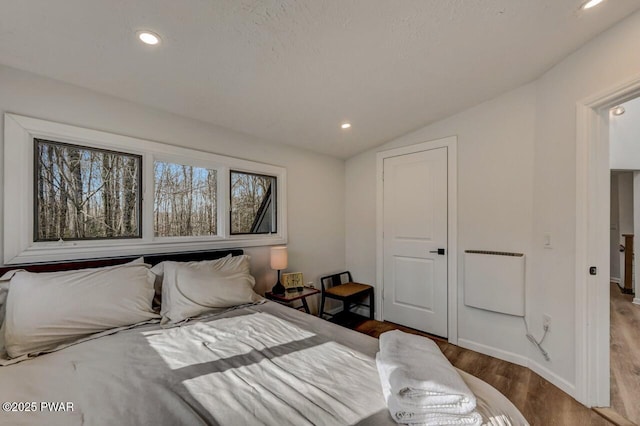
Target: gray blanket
262, 364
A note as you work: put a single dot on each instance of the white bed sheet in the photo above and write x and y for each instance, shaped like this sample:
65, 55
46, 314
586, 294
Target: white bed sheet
264, 364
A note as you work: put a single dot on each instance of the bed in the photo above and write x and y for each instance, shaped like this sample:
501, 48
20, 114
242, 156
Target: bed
257, 363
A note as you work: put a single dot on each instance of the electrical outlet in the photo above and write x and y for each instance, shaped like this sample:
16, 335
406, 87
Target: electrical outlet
546, 321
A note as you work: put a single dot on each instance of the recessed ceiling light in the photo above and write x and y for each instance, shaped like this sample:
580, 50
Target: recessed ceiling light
619, 110
591, 3
147, 37
345, 125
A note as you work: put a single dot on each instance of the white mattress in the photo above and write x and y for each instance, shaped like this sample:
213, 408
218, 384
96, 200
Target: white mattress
263, 364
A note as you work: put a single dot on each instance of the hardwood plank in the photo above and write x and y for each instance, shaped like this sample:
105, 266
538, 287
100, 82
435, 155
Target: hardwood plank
625, 347
539, 401
613, 416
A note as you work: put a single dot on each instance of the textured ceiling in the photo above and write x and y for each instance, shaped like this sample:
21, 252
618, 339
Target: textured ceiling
291, 71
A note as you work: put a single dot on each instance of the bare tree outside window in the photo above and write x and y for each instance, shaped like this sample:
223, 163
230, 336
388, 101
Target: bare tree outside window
84, 193
253, 205
185, 200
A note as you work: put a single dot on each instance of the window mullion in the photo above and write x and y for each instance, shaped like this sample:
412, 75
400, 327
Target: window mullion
148, 186
224, 205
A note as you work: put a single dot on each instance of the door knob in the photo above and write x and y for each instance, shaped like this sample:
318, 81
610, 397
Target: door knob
440, 251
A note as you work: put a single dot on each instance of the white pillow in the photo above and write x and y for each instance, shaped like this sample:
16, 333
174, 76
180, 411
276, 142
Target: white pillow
190, 289
4, 291
227, 262
44, 310
158, 270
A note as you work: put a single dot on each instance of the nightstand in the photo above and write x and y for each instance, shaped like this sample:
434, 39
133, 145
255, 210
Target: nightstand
288, 298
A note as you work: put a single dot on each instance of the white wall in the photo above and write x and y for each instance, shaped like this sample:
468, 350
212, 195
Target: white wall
625, 198
614, 231
315, 182
517, 182
495, 183
601, 64
624, 138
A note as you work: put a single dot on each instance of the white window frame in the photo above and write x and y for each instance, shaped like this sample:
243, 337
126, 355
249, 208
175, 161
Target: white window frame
228, 183
18, 244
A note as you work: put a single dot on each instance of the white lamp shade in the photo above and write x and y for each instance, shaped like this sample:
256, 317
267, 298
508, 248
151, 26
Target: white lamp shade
279, 257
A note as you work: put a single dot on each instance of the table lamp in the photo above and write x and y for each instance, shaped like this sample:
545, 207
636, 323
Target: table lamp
279, 260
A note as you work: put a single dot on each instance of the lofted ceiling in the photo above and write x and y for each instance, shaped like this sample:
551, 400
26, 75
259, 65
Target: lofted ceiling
291, 71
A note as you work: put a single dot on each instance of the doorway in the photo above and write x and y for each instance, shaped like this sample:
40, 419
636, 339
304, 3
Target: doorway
416, 241
593, 242
624, 160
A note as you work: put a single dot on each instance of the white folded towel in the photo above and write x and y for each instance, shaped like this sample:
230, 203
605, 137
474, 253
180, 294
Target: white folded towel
419, 374
409, 413
430, 418
420, 384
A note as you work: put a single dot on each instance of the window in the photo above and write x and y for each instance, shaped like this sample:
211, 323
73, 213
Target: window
253, 210
85, 193
184, 200
75, 193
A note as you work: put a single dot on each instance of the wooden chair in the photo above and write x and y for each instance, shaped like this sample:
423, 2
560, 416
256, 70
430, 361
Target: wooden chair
341, 287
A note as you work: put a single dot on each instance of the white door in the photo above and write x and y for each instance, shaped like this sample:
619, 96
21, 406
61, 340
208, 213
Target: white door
415, 249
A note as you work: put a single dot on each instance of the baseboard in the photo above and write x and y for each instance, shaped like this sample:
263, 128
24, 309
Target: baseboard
636, 301
333, 311
523, 361
615, 280
360, 310
553, 378
491, 351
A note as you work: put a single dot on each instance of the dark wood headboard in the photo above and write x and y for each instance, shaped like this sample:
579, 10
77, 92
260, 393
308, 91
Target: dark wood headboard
151, 259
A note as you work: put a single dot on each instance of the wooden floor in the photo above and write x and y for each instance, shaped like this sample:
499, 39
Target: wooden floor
625, 355
540, 402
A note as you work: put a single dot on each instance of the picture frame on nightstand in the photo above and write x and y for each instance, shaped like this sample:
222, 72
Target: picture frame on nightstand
292, 281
